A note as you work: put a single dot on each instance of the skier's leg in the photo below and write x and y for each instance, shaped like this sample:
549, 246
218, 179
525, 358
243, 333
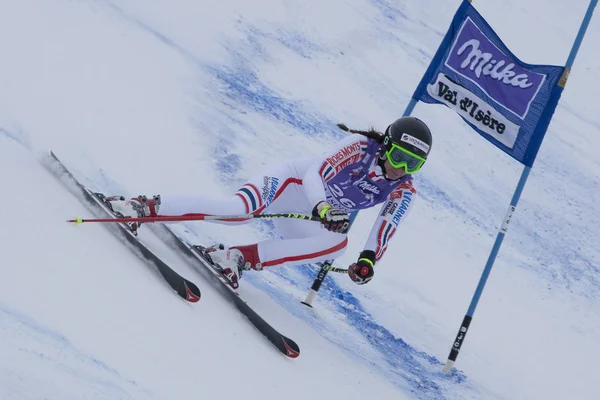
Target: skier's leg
254, 197
319, 247
301, 241
277, 191
276, 252
201, 205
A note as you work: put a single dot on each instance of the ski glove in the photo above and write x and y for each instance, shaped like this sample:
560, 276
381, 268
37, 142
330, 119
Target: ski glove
333, 219
362, 271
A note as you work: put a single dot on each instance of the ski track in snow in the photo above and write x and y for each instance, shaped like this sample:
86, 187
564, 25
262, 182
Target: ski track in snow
16, 136
243, 87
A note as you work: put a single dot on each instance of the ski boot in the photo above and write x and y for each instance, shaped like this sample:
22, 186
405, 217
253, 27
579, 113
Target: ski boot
136, 207
228, 262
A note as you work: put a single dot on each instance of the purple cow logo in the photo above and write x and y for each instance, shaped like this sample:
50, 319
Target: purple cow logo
476, 58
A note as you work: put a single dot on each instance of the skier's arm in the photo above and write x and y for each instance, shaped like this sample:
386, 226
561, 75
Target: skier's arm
393, 212
346, 152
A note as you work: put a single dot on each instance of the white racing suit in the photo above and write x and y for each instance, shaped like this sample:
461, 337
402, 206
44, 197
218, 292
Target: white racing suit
347, 176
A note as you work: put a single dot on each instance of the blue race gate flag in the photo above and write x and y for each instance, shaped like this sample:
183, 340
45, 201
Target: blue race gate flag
506, 101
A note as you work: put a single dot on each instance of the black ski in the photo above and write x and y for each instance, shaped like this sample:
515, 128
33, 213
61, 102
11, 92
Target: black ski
284, 344
184, 288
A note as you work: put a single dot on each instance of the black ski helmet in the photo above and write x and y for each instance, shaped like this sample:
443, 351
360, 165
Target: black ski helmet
411, 134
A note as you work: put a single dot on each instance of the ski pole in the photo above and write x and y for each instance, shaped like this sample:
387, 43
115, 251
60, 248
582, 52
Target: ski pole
325, 268
194, 217
330, 268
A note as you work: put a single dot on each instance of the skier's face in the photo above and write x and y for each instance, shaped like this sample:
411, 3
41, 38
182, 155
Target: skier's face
393, 173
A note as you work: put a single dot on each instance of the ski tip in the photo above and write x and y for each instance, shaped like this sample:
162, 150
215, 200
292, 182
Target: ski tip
76, 221
291, 347
192, 292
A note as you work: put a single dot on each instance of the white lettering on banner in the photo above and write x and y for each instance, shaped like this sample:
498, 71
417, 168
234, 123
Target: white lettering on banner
484, 62
475, 110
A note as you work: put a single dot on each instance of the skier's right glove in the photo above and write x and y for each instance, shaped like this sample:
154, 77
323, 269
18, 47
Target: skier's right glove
333, 219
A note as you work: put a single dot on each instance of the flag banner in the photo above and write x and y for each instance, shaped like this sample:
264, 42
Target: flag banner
508, 102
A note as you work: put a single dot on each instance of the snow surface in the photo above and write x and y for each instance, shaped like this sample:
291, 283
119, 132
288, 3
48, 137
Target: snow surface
181, 96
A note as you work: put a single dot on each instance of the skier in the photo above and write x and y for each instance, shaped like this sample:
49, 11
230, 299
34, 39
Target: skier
360, 171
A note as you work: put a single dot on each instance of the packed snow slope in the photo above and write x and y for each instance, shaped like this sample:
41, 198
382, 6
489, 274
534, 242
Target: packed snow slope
181, 96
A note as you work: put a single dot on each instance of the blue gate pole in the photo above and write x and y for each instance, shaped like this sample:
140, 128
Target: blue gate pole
410, 107
462, 332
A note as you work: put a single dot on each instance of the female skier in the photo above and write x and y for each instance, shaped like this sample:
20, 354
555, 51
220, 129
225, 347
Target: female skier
360, 171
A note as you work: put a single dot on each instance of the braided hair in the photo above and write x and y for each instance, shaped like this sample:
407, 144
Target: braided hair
371, 133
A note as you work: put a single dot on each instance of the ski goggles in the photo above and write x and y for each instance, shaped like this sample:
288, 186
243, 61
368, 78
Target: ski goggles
400, 157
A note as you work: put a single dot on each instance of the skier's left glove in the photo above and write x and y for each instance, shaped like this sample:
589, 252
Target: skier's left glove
362, 271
